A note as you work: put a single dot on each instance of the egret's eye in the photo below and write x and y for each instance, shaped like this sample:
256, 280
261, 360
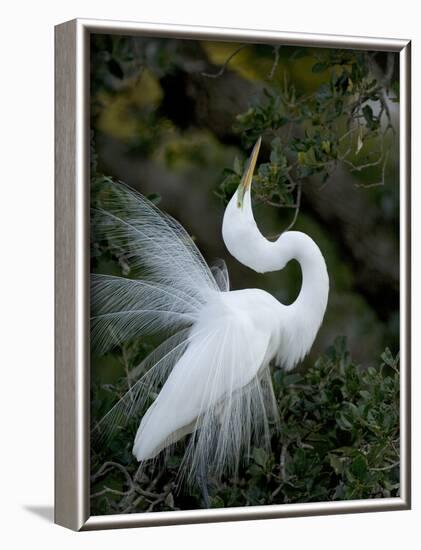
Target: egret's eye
240, 196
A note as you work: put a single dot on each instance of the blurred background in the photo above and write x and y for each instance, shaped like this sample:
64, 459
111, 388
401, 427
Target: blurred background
176, 119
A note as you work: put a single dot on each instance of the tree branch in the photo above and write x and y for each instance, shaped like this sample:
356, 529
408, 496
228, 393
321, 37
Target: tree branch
225, 64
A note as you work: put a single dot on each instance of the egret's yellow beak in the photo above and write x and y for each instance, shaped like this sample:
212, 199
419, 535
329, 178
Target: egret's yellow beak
247, 178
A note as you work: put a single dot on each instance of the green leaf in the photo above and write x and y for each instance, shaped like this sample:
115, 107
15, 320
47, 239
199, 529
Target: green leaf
359, 144
388, 358
169, 500
216, 502
302, 158
260, 457
238, 166
344, 422
154, 197
365, 394
359, 467
293, 378
336, 463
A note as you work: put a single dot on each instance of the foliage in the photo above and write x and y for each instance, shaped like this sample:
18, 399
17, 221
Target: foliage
310, 133
339, 439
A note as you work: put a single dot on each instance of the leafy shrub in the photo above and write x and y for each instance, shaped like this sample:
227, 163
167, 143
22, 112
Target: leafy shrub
339, 440
312, 133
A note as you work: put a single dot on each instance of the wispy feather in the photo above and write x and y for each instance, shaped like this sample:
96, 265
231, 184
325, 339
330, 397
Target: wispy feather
204, 385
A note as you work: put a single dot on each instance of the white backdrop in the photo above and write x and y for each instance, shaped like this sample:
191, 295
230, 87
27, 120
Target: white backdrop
26, 252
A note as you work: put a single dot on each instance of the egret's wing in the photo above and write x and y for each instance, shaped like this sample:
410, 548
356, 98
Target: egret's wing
221, 385
169, 279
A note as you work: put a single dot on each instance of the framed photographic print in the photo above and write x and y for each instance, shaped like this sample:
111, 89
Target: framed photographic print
232, 274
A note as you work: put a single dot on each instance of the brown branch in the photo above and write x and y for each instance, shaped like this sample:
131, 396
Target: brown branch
278, 205
161, 498
282, 470
378, 183
388, 467
297, 206
275, 62
297, 209
133, 505
107, 490
225, 64
109, 465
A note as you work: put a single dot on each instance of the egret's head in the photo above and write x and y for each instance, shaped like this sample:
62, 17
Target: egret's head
239, 230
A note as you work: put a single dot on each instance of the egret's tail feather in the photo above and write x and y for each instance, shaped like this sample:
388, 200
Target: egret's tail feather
220, 272
227, 432
154, 246
214, 394
145, 381
169, 285
124, 309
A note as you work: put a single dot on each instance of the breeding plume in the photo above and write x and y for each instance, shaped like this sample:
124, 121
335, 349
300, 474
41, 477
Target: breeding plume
209, 382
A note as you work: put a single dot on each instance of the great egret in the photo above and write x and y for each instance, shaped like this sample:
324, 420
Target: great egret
211, 375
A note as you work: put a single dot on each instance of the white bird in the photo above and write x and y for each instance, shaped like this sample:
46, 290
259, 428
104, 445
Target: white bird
211, 375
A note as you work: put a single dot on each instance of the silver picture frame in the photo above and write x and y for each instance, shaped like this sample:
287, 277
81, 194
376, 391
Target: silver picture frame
72, 347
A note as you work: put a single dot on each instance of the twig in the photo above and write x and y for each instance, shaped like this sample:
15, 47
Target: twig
297, 210
146, 493
392, 442
107, 466
282, 462
347, 133
378, 183
276, 492
152, 498
360, 167
385, 106
160, 498
275, 62
132, 505
297, 206
390, 65
388, 467
278, 205
107, 490
225, 64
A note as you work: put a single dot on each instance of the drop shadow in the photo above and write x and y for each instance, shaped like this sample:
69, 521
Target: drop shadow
44, 512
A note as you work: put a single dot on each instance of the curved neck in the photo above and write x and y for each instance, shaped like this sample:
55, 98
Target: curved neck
263, 256
301, 320
294, 245
246, 243
305, 315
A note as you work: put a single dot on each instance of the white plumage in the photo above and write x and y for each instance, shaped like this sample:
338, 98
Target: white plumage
211, 375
